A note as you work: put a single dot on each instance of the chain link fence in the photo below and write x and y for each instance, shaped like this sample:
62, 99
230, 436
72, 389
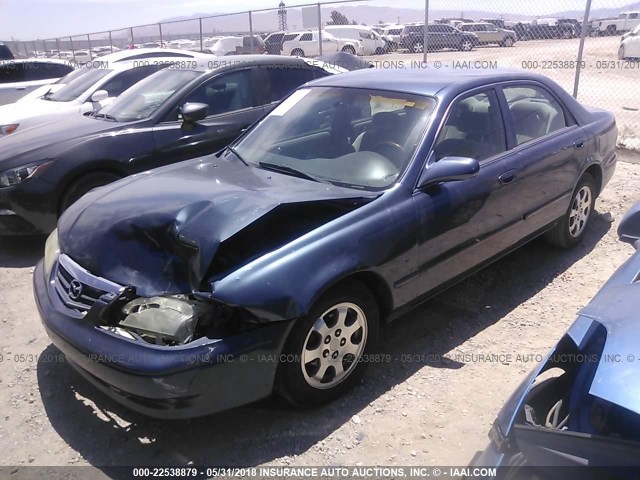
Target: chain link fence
590, 47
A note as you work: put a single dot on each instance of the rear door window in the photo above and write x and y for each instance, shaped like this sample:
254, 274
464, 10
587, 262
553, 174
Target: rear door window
534, 112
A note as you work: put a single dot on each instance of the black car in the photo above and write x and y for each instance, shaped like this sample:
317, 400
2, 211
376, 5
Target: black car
272, 264
5, 53
184, 111
440, 36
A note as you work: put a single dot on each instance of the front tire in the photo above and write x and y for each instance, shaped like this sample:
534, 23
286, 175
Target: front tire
84, 185
297, 52
508, 42
324, 350
466, 46
572, 227
621, 54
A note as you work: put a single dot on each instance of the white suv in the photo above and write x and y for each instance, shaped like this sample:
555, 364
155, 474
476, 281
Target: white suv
305, 44
372, 42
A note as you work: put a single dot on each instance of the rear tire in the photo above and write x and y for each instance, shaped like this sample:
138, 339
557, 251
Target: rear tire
379, 51
297, 52
324, 350
572, 227
84, 185
466, 46
349, 49
508, 42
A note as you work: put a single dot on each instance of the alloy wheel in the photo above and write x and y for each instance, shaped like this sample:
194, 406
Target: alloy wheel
334, 345
580, 211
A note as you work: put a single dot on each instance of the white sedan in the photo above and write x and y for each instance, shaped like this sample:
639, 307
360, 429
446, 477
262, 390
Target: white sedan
86, 92
630, 45
19, 77
117, 56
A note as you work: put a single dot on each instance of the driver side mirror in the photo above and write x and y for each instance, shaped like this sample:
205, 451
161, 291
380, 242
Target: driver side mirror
99, 96
194, 112
449, 169
629, 228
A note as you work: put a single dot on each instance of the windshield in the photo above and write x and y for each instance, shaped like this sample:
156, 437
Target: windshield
352, 137
144, 98
72, 75
78, 85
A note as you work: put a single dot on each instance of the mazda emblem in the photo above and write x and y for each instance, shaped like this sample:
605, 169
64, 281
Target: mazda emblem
75, 290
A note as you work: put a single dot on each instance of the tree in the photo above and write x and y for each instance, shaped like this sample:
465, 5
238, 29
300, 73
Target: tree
338, 18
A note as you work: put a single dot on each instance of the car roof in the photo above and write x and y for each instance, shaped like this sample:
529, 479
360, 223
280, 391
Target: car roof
119, 55
422, 81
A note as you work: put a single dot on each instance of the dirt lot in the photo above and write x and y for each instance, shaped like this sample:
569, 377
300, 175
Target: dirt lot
425, 407
604, 82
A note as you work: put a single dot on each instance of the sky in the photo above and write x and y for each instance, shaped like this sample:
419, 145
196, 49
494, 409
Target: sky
37, 19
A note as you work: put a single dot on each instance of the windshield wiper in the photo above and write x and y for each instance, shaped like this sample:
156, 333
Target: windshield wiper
235, 152
106, 116
288, 171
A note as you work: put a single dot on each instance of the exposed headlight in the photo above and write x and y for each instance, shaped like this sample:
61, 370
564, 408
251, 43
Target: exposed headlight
51, 253
163, 319
9, 128
18, 175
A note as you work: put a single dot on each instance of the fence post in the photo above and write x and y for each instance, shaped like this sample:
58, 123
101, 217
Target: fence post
89, 45
73, 51
585, 22
132, 40
251, 30
58, 47
319, 30
110, 41
425, 40
160, 31
200, 27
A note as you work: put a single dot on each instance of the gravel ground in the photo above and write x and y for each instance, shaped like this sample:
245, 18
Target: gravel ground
429, 405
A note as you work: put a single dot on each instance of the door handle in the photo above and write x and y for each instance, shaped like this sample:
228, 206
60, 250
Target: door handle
578, 143
507, 177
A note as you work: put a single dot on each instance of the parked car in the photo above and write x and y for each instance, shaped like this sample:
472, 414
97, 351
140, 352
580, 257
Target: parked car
625, 22
388, 185
306, 44
498, 22
85, 93
580, 406
178, 113
521, 28
630, 45
573, 24
488, 33
19, 77
273, 42
547, 28
440, 36
81, 57
240, 45
391, 34
182, 44
119, 56
372, 42
5, 53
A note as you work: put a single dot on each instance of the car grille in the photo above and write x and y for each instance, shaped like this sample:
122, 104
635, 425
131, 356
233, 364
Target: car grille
77, 288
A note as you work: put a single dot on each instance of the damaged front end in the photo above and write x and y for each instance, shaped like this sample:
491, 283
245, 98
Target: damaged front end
168, 320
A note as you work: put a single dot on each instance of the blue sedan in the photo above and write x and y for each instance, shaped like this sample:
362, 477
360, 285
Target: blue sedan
270, 265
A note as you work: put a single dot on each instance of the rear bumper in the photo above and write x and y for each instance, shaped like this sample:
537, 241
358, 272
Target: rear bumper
164, 382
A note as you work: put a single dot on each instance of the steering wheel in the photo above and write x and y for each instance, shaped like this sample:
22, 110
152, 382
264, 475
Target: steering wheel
391, 150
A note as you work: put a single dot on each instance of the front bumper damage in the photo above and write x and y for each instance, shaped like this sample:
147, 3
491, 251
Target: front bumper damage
205, 376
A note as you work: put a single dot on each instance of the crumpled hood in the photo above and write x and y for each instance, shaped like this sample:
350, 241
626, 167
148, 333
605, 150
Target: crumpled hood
159, 231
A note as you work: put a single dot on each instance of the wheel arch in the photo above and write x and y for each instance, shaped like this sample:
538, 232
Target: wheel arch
595, 171
111, 167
